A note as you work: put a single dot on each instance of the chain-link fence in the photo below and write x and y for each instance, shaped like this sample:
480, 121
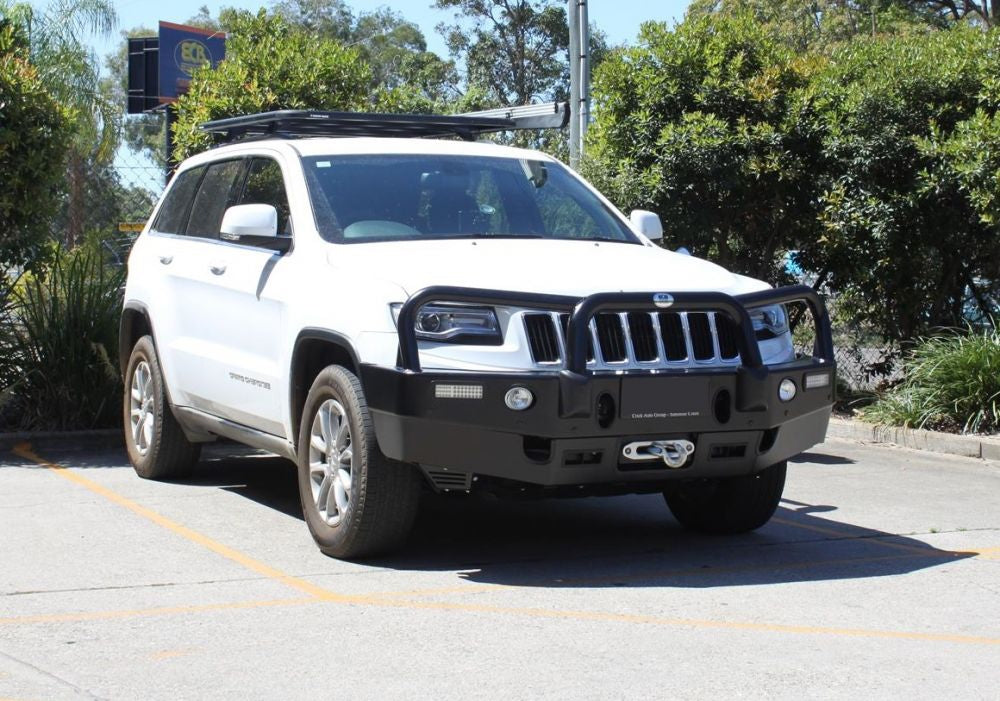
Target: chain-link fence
107, 201
865, 362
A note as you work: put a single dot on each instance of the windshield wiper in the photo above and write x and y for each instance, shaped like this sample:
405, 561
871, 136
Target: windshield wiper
594, 238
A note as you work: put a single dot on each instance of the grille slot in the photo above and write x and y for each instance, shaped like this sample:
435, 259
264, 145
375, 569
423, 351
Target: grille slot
672, 333
542, 338
701, 336
611, 336
640, 327
728, 347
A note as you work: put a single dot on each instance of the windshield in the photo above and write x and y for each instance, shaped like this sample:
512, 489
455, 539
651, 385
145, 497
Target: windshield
359, 199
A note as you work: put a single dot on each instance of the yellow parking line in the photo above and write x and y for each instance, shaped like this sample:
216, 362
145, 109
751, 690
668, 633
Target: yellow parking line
318, 594
24, 450
159, 611
690, 623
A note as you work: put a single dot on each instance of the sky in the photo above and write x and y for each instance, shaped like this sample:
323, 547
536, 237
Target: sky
619, 19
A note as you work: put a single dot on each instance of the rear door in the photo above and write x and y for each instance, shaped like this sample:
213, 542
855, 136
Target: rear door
193, 353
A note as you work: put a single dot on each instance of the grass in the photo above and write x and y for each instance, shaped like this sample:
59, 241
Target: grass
59, 338
951, 383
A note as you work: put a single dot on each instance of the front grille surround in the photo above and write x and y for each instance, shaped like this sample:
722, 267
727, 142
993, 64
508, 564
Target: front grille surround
624, 340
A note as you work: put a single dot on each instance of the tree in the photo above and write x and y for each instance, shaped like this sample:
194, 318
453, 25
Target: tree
821, 25
984, 11
56, 45
911, 168
33, 144
405, 76
514, 50
269, 65
698, 124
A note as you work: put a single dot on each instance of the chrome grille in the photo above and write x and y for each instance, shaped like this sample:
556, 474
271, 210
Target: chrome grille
638, 339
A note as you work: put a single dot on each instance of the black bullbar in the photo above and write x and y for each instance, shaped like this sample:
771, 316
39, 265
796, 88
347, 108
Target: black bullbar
597, 413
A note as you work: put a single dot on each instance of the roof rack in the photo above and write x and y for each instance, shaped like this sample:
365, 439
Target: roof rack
304, 123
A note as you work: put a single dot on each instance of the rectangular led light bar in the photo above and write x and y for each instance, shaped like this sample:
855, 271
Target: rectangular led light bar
458, 391
817, 380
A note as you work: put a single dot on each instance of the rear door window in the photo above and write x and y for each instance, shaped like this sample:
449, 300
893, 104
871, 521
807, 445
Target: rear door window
173, 215
217, 192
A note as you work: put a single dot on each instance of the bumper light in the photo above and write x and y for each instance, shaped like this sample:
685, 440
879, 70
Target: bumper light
458, 391
786, 390
817, 380
518, 398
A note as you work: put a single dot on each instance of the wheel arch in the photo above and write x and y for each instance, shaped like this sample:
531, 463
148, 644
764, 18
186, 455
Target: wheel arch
314, 350
133, 325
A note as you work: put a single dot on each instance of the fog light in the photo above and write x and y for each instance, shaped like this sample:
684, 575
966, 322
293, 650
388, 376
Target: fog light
786, 390
518, 398
458, 391
816, 380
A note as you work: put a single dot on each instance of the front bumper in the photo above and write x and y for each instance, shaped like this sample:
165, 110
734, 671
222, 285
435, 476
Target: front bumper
575, 431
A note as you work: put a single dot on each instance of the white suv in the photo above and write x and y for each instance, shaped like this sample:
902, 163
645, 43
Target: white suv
397, 313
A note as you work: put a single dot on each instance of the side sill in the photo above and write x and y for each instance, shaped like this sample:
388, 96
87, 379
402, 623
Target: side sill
198, 422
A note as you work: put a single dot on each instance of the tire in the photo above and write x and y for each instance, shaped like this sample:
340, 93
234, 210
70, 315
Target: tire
731, 505
156, 445
356, 501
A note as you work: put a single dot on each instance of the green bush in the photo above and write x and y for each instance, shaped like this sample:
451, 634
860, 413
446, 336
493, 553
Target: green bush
33, 142
696, 123
951, 382
60, 339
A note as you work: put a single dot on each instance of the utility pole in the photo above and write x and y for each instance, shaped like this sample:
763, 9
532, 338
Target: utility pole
579, 78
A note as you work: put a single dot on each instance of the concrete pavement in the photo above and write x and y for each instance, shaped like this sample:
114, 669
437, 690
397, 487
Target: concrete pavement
879, 577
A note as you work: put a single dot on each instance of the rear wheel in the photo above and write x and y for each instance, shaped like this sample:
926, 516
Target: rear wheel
356, 501
156, 445
731, 505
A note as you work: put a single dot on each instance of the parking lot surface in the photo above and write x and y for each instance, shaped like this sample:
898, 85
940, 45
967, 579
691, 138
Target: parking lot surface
879, 577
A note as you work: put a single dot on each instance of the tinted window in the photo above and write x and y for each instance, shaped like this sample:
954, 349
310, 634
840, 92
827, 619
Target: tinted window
366, 198
265, 186
217, 192
172, 217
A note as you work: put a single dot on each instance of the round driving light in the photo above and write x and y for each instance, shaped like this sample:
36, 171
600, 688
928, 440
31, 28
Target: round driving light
518, 398
786, 390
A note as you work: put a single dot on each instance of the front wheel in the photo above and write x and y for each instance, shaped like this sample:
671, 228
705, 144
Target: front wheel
730, 505
356, 501
156, 444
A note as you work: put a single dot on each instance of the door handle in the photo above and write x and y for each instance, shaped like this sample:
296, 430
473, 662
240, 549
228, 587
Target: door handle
217, 268
166, 260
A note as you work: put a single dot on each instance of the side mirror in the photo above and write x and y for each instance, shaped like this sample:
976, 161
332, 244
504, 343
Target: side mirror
646, 223
254, 225
249, 220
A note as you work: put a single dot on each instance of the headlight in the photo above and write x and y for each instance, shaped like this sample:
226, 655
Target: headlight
455, 324
770, 321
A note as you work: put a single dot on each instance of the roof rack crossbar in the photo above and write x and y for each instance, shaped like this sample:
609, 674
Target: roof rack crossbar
547, 115
304, 123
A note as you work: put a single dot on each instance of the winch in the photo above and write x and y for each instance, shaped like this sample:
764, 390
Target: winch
673, 452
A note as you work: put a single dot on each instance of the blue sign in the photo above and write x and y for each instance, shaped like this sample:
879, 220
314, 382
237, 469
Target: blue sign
184, 49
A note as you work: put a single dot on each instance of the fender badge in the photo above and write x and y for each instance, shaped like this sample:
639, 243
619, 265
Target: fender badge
663, 300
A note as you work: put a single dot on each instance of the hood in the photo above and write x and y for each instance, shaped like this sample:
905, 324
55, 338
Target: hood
545, 266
